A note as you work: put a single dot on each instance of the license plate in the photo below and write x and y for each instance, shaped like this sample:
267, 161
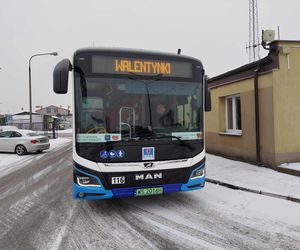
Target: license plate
149, 191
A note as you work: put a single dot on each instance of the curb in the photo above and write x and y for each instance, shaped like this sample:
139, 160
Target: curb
287, 171
231, 186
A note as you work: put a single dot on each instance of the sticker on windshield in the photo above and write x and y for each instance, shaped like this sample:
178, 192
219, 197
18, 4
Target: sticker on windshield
103, 154
188, 135
148, 153
112, 154
120, 153
116, 137
98, 137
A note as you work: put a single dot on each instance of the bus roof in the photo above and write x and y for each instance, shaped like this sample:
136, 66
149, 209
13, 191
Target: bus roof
135, 52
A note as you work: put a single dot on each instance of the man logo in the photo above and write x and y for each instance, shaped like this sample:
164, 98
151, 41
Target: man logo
149, 176
148, 164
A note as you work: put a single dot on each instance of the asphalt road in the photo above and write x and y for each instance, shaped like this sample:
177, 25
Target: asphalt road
37, 212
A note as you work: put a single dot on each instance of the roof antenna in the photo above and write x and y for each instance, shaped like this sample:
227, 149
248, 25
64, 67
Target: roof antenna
178, 51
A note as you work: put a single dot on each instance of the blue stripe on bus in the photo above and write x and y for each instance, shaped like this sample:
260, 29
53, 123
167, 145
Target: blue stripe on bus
125, 192
100, 192
196, 183
92, 193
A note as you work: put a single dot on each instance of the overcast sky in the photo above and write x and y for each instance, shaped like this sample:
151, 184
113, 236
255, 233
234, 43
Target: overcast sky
214, 31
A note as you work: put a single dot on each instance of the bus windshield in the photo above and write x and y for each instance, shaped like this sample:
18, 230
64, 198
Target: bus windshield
114, 109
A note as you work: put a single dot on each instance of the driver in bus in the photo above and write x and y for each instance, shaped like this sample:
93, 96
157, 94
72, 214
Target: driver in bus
165, 118
94, 117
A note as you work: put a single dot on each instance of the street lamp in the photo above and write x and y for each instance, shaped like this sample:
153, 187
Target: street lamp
30, 98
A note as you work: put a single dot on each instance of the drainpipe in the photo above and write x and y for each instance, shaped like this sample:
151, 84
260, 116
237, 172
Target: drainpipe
257, 130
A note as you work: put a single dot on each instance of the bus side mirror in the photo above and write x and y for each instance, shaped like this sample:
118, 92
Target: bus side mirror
207, 97
61, 76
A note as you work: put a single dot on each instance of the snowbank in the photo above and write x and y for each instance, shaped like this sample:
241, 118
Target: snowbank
59, 142
65, 131
293, 166
251, 176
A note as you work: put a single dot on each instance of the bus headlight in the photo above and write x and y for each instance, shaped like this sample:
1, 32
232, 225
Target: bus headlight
198, 173
87, 181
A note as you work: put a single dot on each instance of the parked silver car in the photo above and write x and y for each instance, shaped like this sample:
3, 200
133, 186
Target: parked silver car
22, 142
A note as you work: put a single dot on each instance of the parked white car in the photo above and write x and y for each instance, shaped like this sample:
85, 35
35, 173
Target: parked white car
7, 127
22, 142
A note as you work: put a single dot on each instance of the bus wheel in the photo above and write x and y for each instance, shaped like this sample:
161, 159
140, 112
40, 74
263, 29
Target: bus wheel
20, 150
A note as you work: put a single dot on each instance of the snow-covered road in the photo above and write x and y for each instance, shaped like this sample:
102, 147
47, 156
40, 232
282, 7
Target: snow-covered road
37, 212
10, 162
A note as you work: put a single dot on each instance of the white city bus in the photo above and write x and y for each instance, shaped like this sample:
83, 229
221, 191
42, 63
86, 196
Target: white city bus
138, 122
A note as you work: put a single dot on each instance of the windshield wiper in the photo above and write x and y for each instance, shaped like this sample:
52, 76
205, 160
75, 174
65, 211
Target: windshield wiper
137, 77
82, 82
189, 146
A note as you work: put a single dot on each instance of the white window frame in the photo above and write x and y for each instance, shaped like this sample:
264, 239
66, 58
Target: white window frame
234, 130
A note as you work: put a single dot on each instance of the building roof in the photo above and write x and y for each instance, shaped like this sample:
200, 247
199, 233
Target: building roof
26, 113
266, 64
54, 107
276, 42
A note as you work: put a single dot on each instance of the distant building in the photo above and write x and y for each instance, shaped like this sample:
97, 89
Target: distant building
64, 115
54, 111
21, 121
265, 129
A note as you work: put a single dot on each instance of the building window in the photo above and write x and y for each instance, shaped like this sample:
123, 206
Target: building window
233, 114
55, 110
48, 110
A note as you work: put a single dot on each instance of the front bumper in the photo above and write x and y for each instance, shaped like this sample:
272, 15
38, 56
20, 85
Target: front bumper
93, 193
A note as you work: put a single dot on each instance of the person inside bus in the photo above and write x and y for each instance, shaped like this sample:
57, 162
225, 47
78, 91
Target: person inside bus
165, 118
93, 116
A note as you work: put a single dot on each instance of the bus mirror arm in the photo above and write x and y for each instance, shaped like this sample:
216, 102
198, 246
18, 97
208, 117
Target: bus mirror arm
61, 76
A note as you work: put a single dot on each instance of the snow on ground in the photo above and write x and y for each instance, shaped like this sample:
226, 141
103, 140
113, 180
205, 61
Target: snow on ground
65, 131
260, 212
294, 165
220, 211
11, 162
58, 143
251, 176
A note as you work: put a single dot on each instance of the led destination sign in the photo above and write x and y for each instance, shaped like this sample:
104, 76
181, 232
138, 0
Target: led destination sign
118, 65
146, 67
